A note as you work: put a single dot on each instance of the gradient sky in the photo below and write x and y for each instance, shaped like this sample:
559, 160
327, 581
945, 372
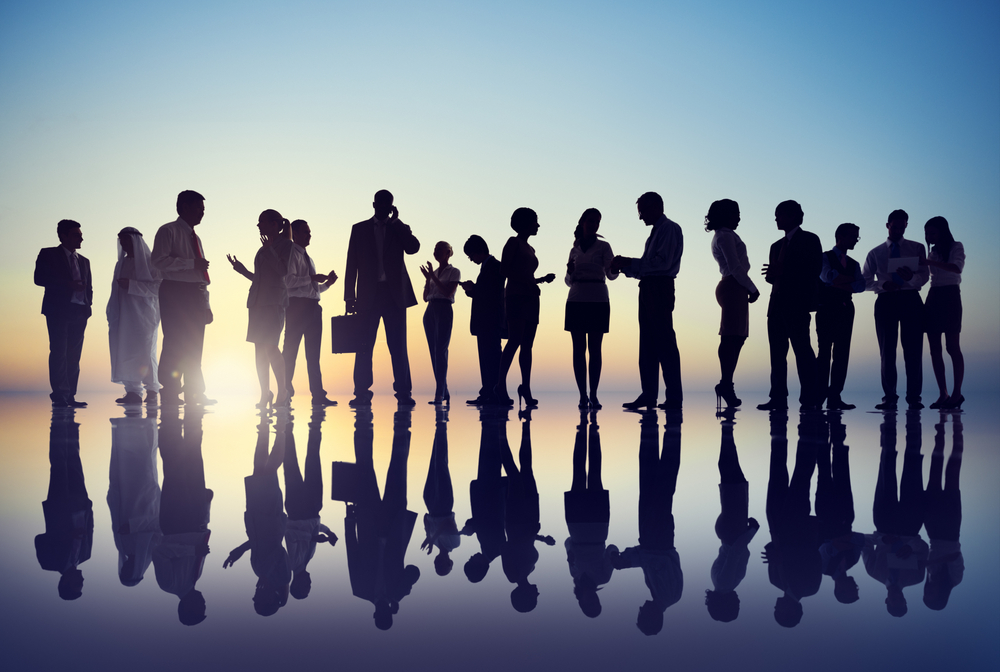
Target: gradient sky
466, 111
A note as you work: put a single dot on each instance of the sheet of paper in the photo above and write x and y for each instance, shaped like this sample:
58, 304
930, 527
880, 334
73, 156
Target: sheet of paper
913, 263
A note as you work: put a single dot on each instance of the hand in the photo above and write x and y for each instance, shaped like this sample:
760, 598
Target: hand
318, 277
547, 278
231, 560
427, 270
394, 217
468, 285
331, 278
352, 305
201, 264
753, 297
123, 283
237, 264
763, 269
905, 273
752, 522
548, 540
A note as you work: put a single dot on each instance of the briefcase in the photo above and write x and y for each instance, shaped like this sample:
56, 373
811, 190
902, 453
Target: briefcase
346, 333
345, 482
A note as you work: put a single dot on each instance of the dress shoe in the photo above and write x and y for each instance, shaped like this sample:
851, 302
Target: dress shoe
914, 406
640, 402
405, 401
478, 401
323, 401
73, 403
839, 405
886, 406
671, 405
360, 402
129, 398
151, 398
59, 402
773, 405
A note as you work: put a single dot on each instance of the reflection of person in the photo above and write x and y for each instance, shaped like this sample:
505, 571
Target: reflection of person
943, 518
735, 292
377, 287
184, 307
521, 303
487, 496
69, 513
588, 514
267, 302
656, 270
69, 293
656, 553
943, 309
899, 312
439, 293
841, 278
134, 319
793, 267
304, 315
588, 308
440, 529
487, 322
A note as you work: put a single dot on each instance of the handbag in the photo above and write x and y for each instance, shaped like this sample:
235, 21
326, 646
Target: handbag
346, 333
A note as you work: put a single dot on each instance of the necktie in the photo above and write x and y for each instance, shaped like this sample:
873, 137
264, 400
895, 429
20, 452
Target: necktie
197, 253
894, 254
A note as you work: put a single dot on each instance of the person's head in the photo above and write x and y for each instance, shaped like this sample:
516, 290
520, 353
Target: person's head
938, 233
476, 249
787, 611
301, 585
722, 606
585, 591
443, 563
590, 222
443, 252
896, 224
383, 614
847, 236
937, 588
723, 214
650, 207
650, 619
845, 589
70, 234
266, 599
191, 608
270, 223
382, 204
524, 221
301, 233
895, 602
191, 207
788, 215
524, 597
476, 568
126, 240
71, 584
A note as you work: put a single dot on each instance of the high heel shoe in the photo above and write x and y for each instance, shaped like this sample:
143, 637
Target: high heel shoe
525, 394
727, 394
584, 403
264, 404
941, 403
500, 397
595, 404
953, 403
640, 402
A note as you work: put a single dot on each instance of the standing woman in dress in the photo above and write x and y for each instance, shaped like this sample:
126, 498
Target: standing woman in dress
943, 310
521, 300
734, 292
439, 293
588, 309
267, 302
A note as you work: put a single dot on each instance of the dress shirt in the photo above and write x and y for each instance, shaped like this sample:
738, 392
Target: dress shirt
299, 279
174, 255
79, 295
590, 268
829, 274
731, 253
943, 278
876, 271
444, 275
662, 256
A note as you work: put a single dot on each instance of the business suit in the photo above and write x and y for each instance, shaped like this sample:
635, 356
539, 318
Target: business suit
487, 321
794, 264
381, 299
66, 320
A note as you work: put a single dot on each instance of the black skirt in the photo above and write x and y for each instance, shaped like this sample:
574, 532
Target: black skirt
588, 316
943, 310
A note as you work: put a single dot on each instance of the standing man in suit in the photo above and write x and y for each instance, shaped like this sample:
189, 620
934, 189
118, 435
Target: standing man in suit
841, 277
487, 320
69, 293
377, 287
793, 268
898, 309
184, 307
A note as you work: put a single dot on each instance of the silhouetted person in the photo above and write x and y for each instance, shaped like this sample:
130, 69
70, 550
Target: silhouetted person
439, 292
521, 305
304, 315
184, 307
303, 502
656, 271
792, 556
522, 520
69, 293
896, 270
841, 545
134, 319
588, 514
265, 521
69, 513
734, 527
656, 554
943, 518
377, 529
377, 287
440, 529
842, 278
487, 322
895, 555
735, 292
134, 493
185, 509
943, 310
487, 495
793, 268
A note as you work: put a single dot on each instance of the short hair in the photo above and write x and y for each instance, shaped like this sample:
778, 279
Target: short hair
651, 198
476, 245
524, 598
186, 198
722, 606
790, 209
723, 213
443, 564
383, 195
846, 590
845, 228
898, 214
522, 218
298, 224
787, 611
65, 226
191, 608
476, 567
275, 216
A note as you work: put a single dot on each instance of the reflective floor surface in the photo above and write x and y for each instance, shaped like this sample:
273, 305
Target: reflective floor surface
492, 540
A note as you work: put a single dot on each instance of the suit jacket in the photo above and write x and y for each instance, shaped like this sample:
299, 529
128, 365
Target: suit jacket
53, 272
793, 271
487, 299
362, 264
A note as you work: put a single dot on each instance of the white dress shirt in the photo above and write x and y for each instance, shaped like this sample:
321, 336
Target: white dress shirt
876, 270
174, 255
731, 253
942, 278
662, 256
299, 279
590, 269
444, 275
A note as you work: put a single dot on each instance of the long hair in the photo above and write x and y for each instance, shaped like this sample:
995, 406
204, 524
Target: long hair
942, 247
578, 231
722, 214
284, 226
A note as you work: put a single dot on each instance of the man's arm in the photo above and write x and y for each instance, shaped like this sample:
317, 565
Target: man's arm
923, 272
45, 271
869, 271
351, 272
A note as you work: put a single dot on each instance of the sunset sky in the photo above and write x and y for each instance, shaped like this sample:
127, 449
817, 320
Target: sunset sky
466, 111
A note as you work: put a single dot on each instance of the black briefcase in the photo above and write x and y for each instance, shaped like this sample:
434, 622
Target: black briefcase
345, 482
346, 333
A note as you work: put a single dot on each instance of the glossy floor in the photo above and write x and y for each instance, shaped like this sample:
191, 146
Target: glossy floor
661, 474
